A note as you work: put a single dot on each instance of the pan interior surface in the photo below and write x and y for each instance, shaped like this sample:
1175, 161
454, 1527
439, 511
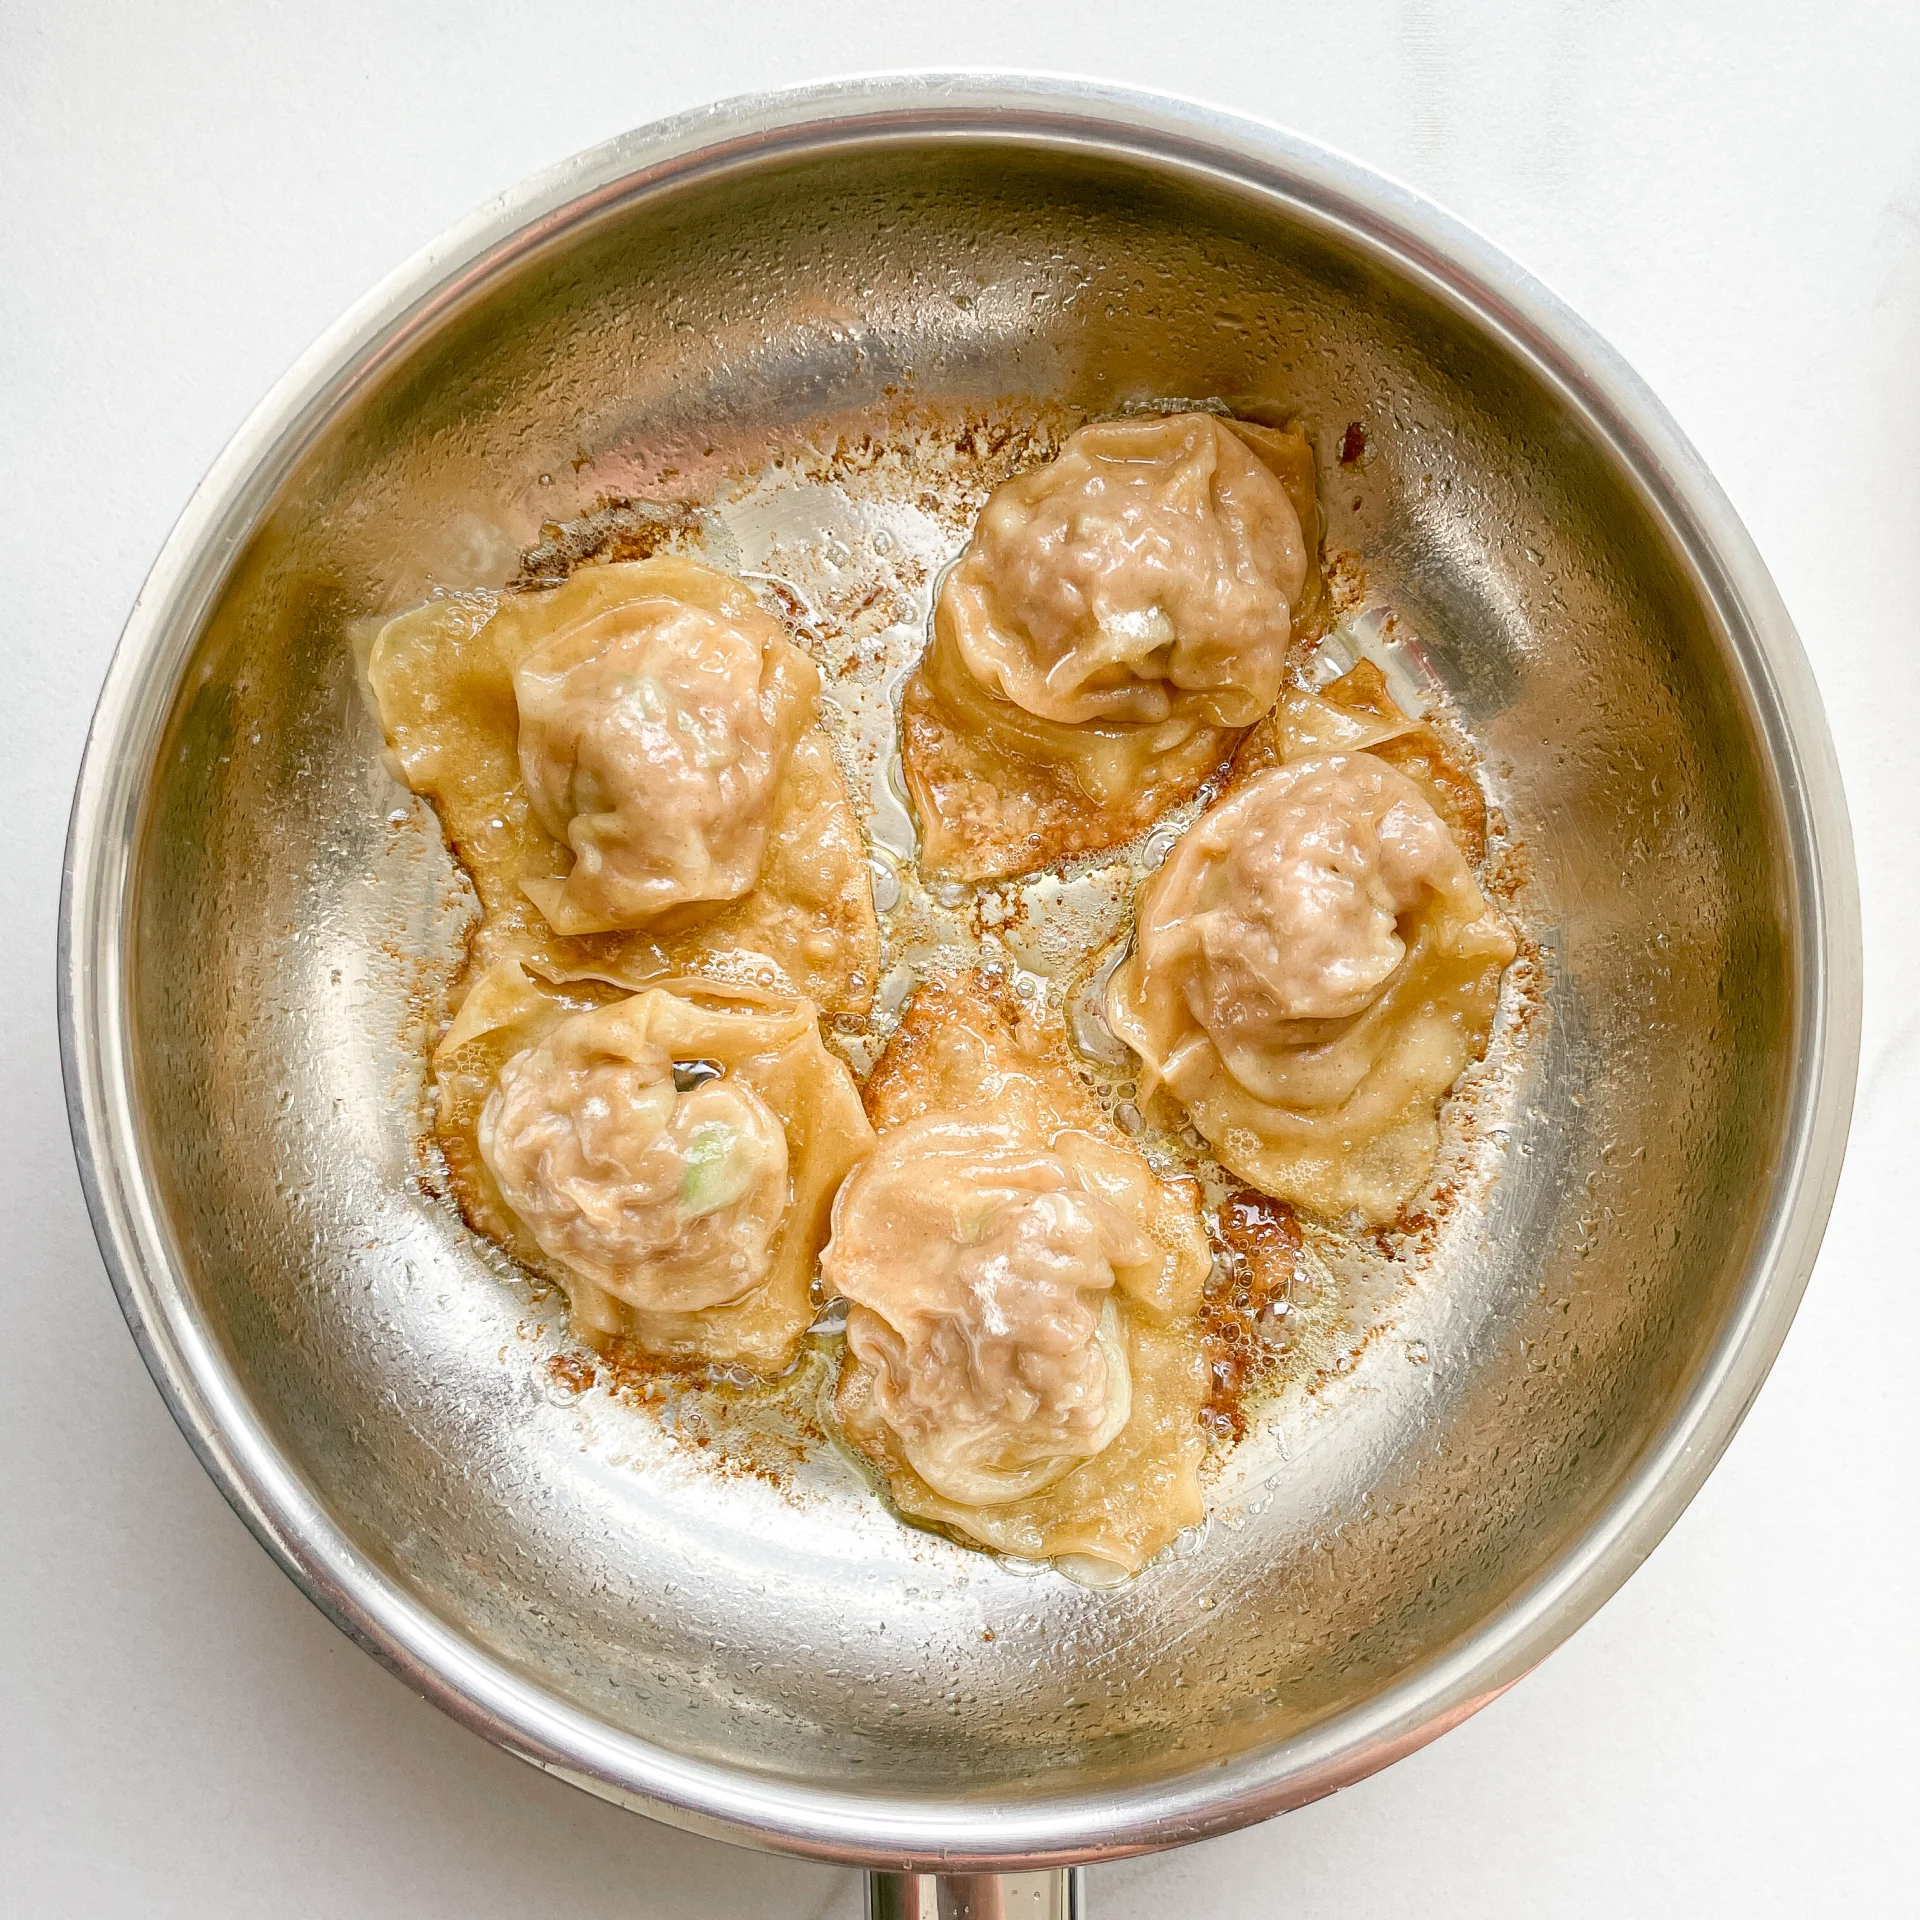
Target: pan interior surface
294, 919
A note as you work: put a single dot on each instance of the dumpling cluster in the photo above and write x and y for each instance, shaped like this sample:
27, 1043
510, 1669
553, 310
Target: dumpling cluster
631, 770
635, 1096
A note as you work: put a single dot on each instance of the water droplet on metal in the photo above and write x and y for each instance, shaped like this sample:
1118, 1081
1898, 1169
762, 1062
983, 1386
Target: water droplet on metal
831, 1320
886, 885
1159, 844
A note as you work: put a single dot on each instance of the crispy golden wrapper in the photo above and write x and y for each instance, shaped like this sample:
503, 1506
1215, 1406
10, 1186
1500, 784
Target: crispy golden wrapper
958, 1048
1000, 791
442, 675
772, 1043
1371, 1151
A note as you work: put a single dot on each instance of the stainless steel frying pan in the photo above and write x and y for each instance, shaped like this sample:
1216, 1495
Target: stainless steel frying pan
257, 922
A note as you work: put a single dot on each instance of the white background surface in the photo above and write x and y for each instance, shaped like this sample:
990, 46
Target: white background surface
188, 194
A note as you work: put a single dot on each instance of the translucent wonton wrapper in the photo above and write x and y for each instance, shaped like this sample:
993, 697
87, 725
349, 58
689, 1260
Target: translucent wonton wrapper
767, 1046
1117, 622
1312, 1039
443, 676
961, 1062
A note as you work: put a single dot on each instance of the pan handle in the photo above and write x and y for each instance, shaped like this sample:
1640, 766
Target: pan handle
1059, 1894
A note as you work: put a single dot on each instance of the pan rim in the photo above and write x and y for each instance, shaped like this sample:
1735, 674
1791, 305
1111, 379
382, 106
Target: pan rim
209, 1402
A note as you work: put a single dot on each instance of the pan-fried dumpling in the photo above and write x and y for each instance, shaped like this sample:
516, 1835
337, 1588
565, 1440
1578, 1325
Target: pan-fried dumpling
663, 1196
668, 1157
1022, 1360
1118, 619
979, 1267
1315, 964
653, 735
1150, 570
630, 769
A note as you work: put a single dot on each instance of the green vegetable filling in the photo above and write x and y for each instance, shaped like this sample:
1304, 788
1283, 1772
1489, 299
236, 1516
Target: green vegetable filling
720, 1168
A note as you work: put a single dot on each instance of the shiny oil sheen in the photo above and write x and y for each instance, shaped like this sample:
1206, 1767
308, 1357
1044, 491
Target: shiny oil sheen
260, 926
